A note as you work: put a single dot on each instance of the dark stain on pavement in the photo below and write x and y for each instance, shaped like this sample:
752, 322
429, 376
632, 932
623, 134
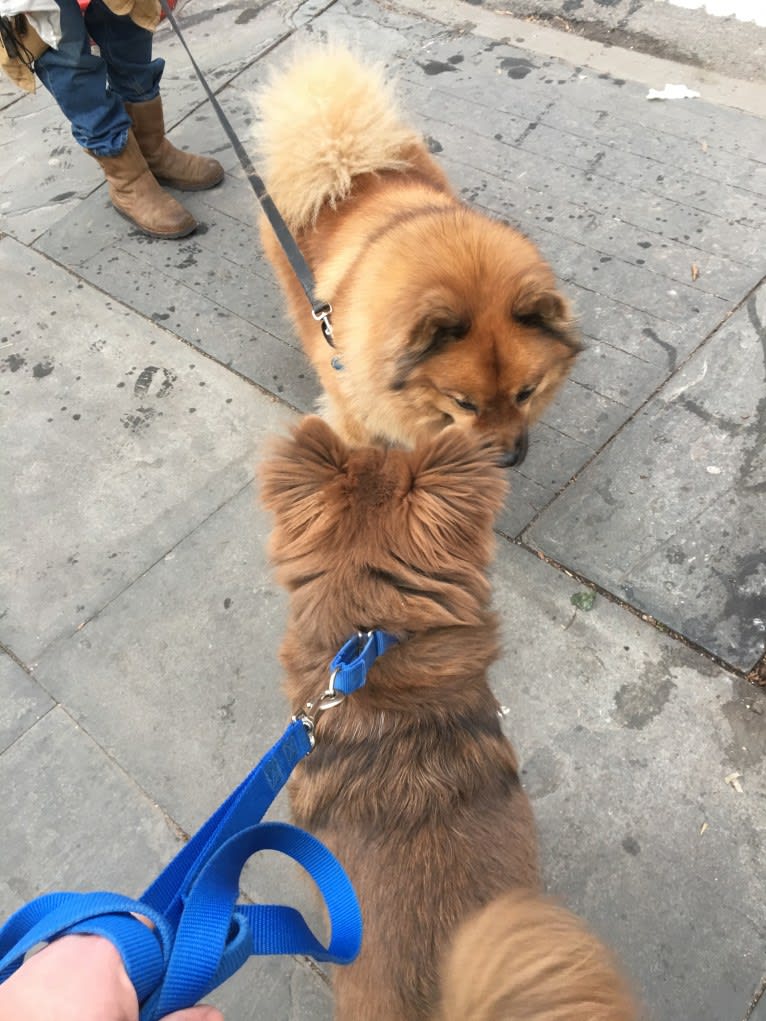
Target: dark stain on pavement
140, 420
516, 67
437, 67
745, 713
13, 363
726, 425
637, 703
752, 429
675, 555
226, 711
144, 381
631, 845
542, 773
745, 588
187, 263
671, 352
531, 126
168, 379
753, 454
146, 377
43, 368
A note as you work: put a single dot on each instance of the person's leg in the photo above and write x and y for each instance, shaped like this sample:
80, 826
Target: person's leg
126, 49
137, 195
183, 170
135, 77
77, 80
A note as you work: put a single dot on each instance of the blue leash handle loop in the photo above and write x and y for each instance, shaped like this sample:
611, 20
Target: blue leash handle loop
201, 936
211, 945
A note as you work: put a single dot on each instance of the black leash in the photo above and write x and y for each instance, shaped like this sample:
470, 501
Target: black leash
320, 310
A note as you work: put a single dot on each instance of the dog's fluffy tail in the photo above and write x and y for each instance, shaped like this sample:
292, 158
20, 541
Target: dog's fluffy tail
525, 958
325, 119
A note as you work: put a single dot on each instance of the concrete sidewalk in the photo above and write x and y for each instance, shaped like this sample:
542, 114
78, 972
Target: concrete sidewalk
139, 619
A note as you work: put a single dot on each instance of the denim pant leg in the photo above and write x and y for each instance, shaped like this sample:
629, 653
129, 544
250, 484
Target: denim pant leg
77, 80
127, 51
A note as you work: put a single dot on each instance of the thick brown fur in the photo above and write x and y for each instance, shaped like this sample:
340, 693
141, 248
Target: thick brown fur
412, 783
441, 314
526, 958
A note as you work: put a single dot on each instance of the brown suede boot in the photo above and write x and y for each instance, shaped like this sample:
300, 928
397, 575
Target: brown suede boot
182, 170
137, 196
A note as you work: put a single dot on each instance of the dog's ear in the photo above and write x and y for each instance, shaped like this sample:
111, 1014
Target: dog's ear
297, 468
433, 331
458, 487
538, 304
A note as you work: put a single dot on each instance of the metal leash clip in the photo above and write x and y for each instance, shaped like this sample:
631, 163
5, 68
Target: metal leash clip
331, 696
321, 314
311, 711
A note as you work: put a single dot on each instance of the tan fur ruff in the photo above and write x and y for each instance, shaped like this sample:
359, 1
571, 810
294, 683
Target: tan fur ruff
315, 138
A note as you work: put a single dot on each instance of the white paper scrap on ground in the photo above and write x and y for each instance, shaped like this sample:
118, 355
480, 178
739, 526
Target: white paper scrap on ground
672, 92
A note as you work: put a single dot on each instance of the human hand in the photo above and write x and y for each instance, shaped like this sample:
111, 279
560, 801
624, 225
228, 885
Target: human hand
79, 978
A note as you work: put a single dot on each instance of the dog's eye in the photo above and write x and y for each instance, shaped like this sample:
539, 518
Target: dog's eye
445, 332
523, 395
466, 405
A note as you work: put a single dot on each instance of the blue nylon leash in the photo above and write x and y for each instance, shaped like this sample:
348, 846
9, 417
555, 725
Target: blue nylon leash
201, 935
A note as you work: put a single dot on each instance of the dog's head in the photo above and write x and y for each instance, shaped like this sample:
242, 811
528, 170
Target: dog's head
477, 333
382, 537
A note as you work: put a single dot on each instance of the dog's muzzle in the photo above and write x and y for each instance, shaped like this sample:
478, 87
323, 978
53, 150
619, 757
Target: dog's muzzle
513, 458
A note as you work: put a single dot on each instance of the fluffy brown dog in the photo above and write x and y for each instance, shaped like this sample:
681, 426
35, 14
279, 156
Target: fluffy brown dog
412, 783
441, 314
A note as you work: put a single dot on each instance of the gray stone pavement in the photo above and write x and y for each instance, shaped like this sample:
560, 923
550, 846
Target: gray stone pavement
691, 37
140, 380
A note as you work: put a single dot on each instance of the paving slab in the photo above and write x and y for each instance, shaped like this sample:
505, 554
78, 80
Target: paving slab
124, 440
759, 1010
514, 186
54, 838
728, 41
22, 701
44, 174
274, 989
9, 94
202, 685
626, 739
671, 516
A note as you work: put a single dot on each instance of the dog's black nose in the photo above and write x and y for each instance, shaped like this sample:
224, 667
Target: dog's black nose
513, 458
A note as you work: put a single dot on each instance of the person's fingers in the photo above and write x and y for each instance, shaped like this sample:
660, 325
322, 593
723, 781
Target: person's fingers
202, 1013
